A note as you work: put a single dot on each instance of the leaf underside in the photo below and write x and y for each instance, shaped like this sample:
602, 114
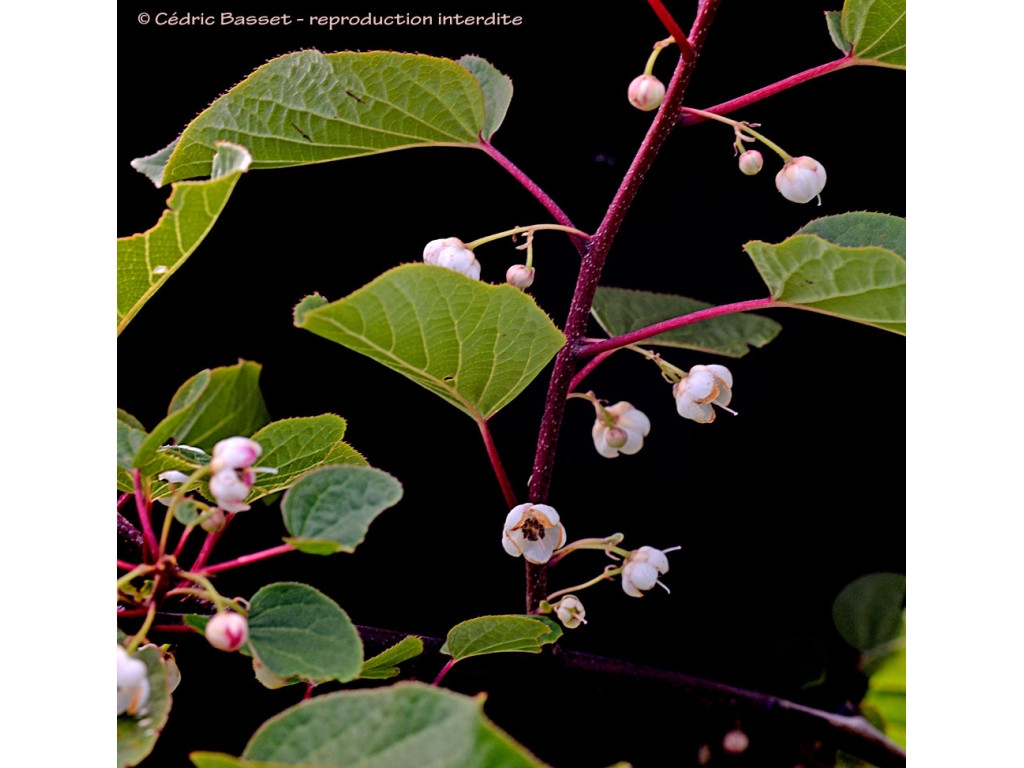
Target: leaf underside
877, 30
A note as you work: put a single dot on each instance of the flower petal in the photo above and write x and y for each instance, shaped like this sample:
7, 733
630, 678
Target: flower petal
538, 552
643, 575
699, 412
510, 545
599, 433
516, 517
629, 588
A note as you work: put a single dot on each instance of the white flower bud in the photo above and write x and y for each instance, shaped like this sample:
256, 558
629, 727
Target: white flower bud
227, 631
533, 531
646, 92
215, 521
234, 453
433, 249
570, 611
801, 179
132, 683
735, 742
751, 162
641, 571
451, 253
520, 275
703, 386
230, 487
625, 436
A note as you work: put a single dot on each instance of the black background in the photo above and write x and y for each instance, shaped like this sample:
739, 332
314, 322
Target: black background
776, 509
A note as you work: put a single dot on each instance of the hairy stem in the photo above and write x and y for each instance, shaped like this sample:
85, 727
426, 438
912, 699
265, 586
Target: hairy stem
499, 468
607, 346
594, 258
769, 90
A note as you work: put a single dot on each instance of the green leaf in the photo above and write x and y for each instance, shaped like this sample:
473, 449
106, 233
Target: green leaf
619, 311
147, 260
497, 90
337, 504
476, 345
384, 665
859, 229
129, 439
407, 725
878, 31
136, 735
866, 285
212, 405
834, 20
310, 107
187, 512
869, 611
500, 634
294, 446
887, 692
297, 631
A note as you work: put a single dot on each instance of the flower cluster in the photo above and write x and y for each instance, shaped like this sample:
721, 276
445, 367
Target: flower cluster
704, 386
533, 531
452, 253
232, 472
642, 569
624, 433
132, 683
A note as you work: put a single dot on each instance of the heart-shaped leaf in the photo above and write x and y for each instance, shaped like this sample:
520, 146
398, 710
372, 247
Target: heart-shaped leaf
877, 30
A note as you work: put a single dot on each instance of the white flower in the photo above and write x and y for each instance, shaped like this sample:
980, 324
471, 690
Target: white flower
641, 571
646, 92
627, 433
132, 683
452, 253
172, 476
751, 162
520, 275
704, 385
230, 487
234, 453
801, 179
533, 531
227, 631
735, 742
570, 611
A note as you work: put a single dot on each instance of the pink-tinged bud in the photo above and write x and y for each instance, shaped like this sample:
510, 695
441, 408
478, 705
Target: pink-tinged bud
227, 631
735, 742
214, 521
751, 162
230, 487
646, 92
520, 275
801, 179
234, 453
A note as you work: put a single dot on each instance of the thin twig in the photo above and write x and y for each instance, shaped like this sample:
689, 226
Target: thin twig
499, 468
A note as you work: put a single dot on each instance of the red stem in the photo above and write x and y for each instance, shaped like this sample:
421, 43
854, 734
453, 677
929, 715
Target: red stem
673, 29
122, 499
209, 543
142, 505
171, 628
181, 541
607, 346
542, 196
443, 672
499, 469
769, 90
585, 371
586, 285
126, 566
255, 557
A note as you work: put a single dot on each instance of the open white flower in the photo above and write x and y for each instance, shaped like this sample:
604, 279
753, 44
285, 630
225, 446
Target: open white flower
132, 683
801, 179
452, 253
533, 531
642, 569
703, 386
625, 435
570, 611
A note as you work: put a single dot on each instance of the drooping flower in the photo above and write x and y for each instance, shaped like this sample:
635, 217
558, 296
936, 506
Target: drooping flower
570, 611
232, 472
751, 162
452, 253
520, 275
641, 571
646, 92
801, 179
132, 683
625, 435
230, 488
234, 453
533, 531
703, 386
227, 631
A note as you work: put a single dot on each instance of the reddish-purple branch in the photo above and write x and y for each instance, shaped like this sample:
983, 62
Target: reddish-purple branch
443, 672
673, 28
542, 196
590, 272
210, 542
255, 557
769, 90
150, 545
607, 346
499, 468
122, 499
126, 566
585, 371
